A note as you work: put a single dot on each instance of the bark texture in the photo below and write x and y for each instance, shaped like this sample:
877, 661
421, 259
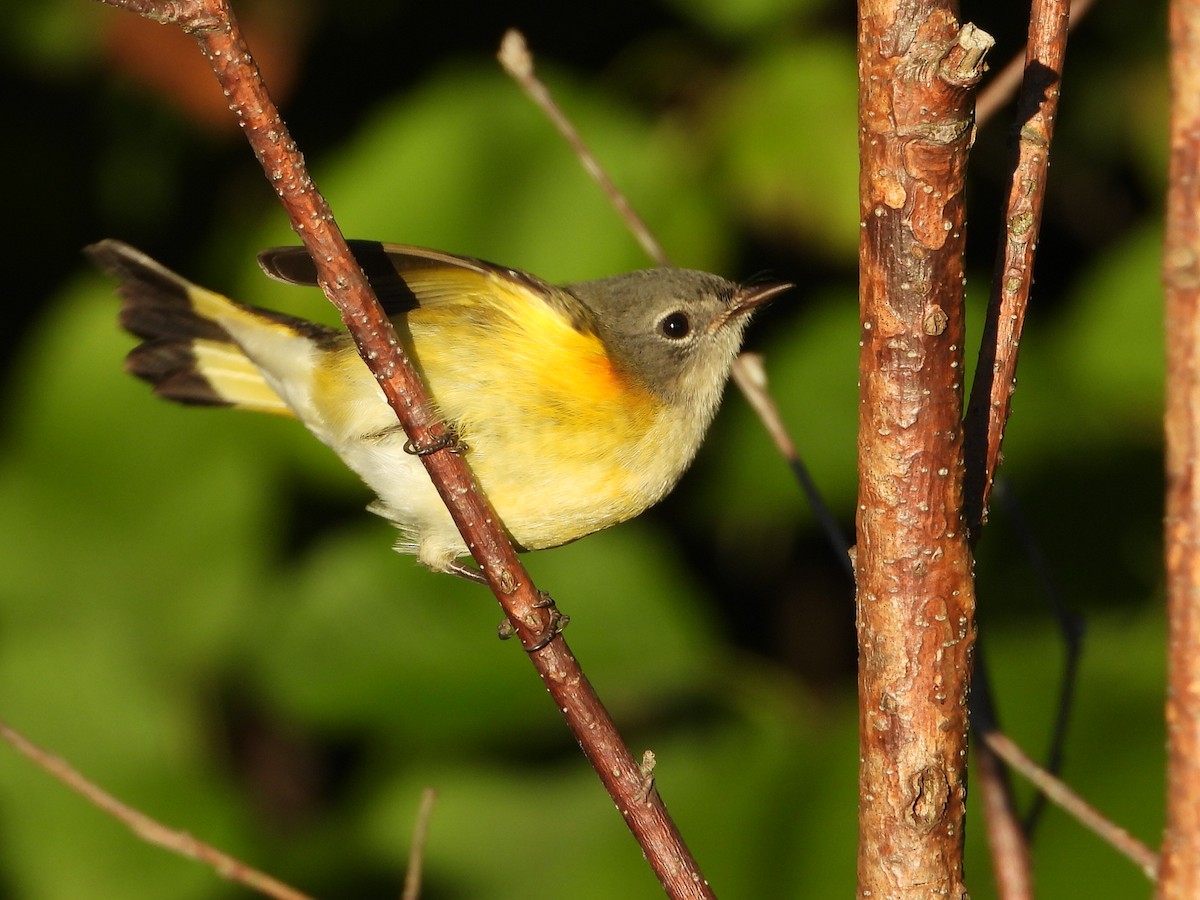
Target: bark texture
916, 617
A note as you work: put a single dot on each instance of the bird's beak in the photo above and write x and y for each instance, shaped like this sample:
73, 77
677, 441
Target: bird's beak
751, 297
754, 296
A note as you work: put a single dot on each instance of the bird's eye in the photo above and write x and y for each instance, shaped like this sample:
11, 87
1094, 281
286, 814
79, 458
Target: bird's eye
676, 326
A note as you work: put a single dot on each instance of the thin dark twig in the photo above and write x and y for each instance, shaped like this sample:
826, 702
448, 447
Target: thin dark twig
749, 374
1070, 626
416, 850
1003, 86
528, 610
148, 829
751, 377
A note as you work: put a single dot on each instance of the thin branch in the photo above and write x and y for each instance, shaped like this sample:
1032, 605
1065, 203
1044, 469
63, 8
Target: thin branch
1003, 86
1066, 799
533, 619
996, 368
1071, 629
1007, 841
751, 377
179, 842
1007, 845
1181, 274
916, 598
416, 850
517, 61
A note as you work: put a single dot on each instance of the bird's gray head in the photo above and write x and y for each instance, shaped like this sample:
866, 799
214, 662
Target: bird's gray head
674, 330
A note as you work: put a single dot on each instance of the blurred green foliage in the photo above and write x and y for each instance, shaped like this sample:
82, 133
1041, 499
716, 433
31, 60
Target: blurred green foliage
197, 613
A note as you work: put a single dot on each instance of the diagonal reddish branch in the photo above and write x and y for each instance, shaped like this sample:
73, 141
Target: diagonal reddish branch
996, 369
212, 24
916, 611
1180, 873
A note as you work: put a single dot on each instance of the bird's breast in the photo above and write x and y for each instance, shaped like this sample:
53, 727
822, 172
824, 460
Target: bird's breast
561, 440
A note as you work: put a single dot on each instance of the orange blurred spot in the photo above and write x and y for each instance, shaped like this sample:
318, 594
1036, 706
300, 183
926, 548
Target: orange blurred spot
168, 62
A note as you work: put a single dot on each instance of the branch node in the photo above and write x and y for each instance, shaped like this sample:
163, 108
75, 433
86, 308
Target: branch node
514, 55
646, 770
963, 65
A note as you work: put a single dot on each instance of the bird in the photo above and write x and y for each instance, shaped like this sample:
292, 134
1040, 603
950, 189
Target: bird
576, 407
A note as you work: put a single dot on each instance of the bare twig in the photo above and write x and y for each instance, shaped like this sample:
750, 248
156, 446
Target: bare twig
1070, 802
1181, 273
1007, 841
148, 829
916, 599
416, 850
995, 371
517, 61
215, 29
1071, 629
1009, 849
1003, 86
996, 368
751, 377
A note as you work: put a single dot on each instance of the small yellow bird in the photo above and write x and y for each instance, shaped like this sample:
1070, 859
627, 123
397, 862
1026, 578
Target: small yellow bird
578, 407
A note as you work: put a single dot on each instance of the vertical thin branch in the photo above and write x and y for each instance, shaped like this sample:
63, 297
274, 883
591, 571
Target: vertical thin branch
916, 610
995, 371
1007, 841
1002, 86
416, 851
1180, 874
212, 24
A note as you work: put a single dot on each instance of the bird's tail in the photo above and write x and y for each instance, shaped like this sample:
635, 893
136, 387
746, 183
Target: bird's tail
188, 351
